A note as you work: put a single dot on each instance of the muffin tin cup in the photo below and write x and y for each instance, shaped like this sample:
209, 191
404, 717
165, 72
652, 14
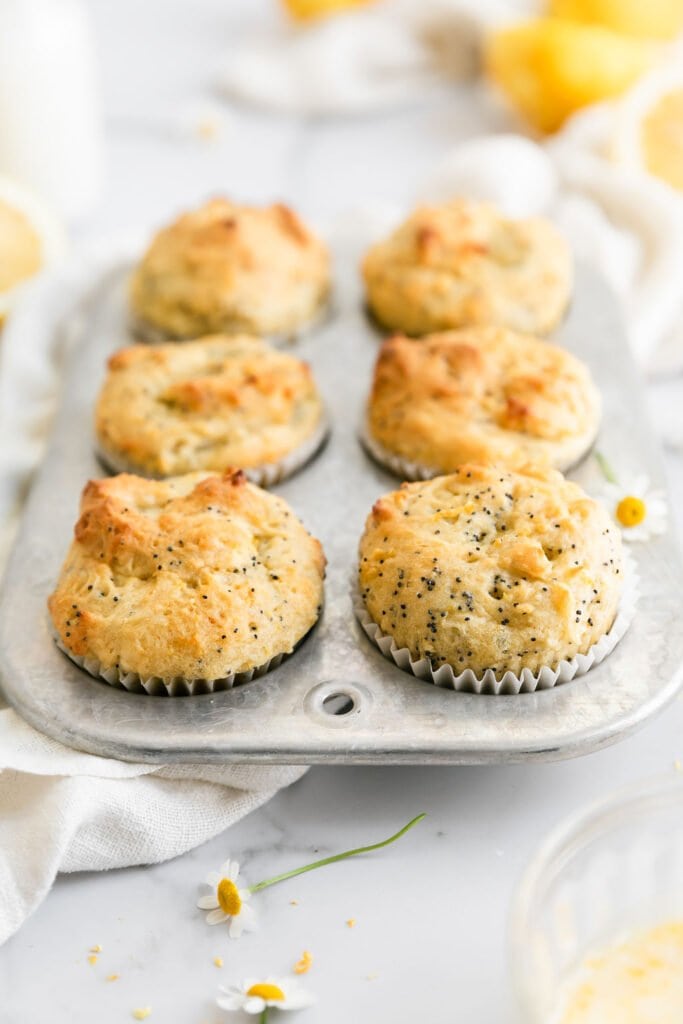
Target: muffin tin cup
405, 469
510, 683
177, 686
266, 475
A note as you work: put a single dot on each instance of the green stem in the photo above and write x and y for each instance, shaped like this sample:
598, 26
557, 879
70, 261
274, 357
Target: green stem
336, 857
263, 1019
605, 468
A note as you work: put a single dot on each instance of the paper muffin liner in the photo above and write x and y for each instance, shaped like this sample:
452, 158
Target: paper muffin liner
177, 686
265, 475
405, 469
510, 683
150, 334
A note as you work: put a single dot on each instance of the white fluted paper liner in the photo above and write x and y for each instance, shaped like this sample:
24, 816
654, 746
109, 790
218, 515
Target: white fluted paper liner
509, 683
266, 475
178, 686
404, 469
149, 334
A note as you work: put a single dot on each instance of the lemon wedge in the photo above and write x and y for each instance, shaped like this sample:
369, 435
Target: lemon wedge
644, 19
549, 67
31, 238
648, 126
307, 9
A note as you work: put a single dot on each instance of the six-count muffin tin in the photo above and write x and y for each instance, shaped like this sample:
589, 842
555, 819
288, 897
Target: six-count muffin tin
337, 699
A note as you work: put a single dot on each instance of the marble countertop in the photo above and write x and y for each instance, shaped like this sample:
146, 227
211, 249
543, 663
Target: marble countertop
429, 942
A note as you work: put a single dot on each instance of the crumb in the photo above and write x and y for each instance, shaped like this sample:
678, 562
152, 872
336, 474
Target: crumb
96, 948
92, 960
218, 961
351, 922
113, 977
208, 128
294, 903
143, 1013
371, 977
677, 765
304, 965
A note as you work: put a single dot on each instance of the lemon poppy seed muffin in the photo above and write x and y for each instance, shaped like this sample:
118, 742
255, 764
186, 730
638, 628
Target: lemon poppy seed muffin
479, 394
226, 268
463, 263
196, 577
208, 404
491, 569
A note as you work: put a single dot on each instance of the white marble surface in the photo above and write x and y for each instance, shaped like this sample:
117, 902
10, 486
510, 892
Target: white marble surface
429, 942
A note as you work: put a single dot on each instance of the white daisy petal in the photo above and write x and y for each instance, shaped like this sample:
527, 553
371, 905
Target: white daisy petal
213, 878
254, 1004
248, 917
236, 927
216, 916
208, 902
230, 1001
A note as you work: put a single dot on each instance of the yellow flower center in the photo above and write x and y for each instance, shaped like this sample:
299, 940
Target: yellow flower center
631, 511
267, 992
228, 897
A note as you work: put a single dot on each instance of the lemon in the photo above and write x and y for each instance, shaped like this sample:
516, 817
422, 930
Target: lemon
549, 68
306, 9
30, 239
648, 126
645, 19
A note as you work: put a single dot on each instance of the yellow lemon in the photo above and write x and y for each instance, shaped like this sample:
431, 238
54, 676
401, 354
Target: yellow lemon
305, 9
30, 239
549, 68
645, 19
648, 126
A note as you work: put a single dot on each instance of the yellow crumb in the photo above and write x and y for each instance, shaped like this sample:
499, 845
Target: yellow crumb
294, 903
96, 948
677, 765
113, 977
371, 977
304, 965
351, 922
218, 961
208, 128
92, 960
143, 1013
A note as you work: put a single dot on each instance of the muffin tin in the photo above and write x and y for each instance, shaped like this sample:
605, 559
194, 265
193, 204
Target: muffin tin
336, 699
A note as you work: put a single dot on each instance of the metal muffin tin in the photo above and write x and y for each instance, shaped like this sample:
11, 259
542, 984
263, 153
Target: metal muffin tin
337, 699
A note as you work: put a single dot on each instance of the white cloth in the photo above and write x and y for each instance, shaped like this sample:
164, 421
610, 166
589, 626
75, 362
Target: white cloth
376, 57
62, 810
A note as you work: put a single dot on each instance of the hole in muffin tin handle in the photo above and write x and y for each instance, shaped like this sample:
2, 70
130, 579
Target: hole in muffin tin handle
336, 702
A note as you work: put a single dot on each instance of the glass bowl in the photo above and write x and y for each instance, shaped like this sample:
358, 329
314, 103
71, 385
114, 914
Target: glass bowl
611, 868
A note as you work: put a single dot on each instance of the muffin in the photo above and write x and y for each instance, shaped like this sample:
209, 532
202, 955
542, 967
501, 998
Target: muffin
490, 569
480, 394
208, 404
230, 269
194, 582
462, 264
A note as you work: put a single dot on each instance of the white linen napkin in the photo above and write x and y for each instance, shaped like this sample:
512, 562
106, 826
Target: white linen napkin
385, 55
60, 809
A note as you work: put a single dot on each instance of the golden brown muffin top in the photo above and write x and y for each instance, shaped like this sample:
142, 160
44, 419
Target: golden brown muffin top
463, 263
484, 394
491, 569
205, 405
231, 268
195, 577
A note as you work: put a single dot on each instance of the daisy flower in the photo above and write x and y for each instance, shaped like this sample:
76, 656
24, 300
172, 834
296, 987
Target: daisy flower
257, 995
636, 507
226, 902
